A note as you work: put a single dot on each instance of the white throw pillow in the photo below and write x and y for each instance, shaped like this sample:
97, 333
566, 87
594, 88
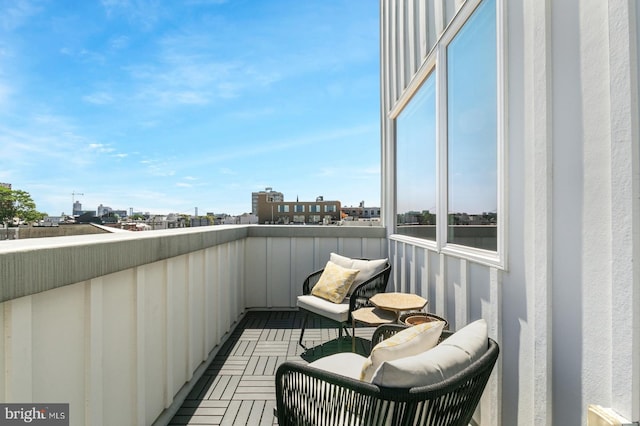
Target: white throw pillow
448, 358
367, 268
411, 341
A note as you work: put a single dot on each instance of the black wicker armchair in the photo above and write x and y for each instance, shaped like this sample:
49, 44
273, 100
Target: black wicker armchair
340, 313
311, 396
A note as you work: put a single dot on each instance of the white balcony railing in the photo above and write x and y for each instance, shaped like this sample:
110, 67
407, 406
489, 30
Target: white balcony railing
117, 325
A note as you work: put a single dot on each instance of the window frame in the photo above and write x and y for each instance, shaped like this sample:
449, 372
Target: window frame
436, 62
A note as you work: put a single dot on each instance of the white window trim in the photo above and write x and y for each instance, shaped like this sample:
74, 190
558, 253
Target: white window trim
435, 57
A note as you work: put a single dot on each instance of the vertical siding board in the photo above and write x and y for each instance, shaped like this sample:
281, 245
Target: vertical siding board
441, 287
3, 354
539, 206
18, 350
625, 205
94, 384
169, 316
393, 51
461, 292
413, 288
426, 274
412, 40
491, 402
140, 353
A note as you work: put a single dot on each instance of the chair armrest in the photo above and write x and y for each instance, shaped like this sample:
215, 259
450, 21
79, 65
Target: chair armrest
311, 281
308, 395
377, 284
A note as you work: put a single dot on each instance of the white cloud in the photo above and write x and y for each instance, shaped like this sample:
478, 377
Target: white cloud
100, 148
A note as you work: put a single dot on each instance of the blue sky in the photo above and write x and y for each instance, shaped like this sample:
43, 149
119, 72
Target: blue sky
165, 106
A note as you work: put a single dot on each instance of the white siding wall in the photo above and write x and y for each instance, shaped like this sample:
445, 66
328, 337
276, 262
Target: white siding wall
119, 347
567, 305
277, 266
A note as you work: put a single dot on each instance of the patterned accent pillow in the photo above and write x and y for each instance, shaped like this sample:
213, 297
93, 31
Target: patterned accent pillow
334, 283
408, 342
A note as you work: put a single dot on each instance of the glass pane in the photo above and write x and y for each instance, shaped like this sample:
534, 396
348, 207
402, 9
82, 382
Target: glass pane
472, 131
416, 164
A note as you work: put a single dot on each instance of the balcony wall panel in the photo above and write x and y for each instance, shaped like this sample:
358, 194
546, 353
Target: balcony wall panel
118, 357
153, 336
256, 272
279, 279
57, 347
303, 252
177, 283
195, 266
3, 358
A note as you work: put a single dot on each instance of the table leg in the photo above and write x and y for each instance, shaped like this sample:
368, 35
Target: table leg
353, 335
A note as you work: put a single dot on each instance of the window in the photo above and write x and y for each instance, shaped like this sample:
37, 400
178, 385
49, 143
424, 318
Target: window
330, 208
447, 145
298, 218
314, 218
283, 208
472, 132
314, 208
298, 208
416, 164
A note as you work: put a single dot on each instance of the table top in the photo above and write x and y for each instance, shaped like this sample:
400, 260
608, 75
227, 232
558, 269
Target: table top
398, 301
373, 316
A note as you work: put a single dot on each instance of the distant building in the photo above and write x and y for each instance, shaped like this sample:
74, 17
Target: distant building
361, 212
77, 208
103, 210
287, 212
248, 219
5, 185
269, 193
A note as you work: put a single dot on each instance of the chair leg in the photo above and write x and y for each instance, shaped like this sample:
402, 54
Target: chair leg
304, 325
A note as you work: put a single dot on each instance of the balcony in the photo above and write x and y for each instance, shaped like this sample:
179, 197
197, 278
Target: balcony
122, 326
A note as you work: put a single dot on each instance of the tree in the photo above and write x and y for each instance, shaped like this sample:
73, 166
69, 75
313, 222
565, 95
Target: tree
17, 204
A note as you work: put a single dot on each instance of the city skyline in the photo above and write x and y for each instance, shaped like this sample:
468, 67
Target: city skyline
168, 107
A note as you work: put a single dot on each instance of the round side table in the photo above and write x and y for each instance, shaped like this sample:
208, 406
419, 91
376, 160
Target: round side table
371, 316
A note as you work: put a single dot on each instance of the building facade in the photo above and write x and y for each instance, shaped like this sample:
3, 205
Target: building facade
269, 193
360, 213
296, 212
524, 117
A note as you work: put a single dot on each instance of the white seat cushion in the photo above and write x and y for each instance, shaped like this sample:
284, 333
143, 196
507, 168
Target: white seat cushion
336, 311
367, 268
445, 360
346, 364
